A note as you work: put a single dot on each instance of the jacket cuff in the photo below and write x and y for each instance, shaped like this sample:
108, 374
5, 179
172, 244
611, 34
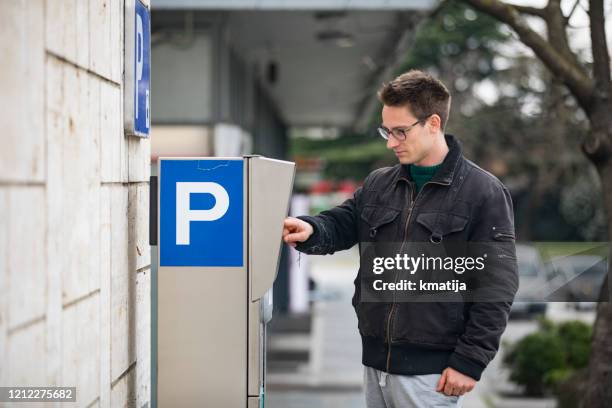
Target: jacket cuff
466, 366
310, 245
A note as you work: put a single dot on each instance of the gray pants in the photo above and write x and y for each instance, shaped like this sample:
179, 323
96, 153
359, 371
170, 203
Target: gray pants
384, 390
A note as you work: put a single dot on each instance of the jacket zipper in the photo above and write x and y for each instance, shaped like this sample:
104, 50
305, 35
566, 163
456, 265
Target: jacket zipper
390, 317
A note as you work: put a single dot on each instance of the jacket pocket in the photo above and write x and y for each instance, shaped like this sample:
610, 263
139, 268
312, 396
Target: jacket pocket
440, 225
378, 219
503, 234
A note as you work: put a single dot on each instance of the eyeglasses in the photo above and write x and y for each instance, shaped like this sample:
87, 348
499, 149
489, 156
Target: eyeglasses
399, 133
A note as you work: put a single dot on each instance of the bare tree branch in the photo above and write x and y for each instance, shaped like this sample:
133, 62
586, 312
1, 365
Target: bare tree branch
573, 76
556, 24
532, 11
571, 13
601, 58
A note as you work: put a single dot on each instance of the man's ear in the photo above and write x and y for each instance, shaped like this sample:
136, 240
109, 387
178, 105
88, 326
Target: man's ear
435, 124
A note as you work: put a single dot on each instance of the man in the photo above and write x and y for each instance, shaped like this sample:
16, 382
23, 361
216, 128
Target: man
421, 354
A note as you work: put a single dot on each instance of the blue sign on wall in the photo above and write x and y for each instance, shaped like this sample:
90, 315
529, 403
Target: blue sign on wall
201, 213
142, 70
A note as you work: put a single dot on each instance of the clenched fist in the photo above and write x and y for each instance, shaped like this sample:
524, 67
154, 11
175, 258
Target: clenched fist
296, 230
452, 382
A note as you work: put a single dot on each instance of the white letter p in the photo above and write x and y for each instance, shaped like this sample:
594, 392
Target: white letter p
139, 50
184, 215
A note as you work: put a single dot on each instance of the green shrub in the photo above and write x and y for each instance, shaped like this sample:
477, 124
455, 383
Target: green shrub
557, 376
542, 360
576, 338
533, 358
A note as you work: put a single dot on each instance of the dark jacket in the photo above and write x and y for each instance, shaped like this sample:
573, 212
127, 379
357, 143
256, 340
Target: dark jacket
461, 204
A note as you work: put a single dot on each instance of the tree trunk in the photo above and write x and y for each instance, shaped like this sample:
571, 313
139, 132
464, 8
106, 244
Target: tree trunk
599, 385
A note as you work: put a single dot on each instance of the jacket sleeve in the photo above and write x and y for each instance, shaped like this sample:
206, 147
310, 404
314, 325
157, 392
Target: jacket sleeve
486, 317
334, 229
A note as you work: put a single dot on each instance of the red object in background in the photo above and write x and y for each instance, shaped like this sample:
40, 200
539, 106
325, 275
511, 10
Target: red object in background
326, 186
308, 163
347, 186
322, 187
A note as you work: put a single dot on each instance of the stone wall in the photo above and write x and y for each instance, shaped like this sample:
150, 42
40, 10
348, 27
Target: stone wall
74, 254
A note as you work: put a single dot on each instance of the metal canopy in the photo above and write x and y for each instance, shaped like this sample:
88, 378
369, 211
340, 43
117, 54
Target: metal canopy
327, 61
292, 4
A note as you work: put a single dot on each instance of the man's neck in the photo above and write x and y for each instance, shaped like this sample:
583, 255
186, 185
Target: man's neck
437, 154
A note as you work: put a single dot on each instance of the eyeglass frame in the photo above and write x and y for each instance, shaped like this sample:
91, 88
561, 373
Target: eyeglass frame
386, 133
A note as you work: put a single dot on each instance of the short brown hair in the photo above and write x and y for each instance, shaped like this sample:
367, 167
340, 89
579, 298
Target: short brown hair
421, 93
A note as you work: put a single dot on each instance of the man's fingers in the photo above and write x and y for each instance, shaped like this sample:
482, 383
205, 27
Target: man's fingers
292, 223
291, 226
448, 388
441, 382
295, 230
296, 237
454, 383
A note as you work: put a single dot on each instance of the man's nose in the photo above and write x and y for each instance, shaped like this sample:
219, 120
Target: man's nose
392, 142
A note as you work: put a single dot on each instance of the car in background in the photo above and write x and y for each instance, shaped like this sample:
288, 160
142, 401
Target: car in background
583, 277
530, 298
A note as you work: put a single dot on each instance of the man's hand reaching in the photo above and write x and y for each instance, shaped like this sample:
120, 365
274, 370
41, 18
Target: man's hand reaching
296, 230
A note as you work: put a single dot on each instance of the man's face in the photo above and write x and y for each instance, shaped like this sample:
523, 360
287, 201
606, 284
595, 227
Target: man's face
419, 140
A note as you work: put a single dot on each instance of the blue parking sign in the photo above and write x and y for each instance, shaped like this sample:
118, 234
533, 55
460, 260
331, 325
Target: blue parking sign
201, 213
142, 70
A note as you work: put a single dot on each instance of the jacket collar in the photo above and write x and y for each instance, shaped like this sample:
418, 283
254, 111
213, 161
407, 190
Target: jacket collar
447, 170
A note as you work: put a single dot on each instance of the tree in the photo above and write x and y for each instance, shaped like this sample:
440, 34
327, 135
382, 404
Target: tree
592, 89
466, 49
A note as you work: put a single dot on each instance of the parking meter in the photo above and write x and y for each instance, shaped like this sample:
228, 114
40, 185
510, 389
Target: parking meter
219, 235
